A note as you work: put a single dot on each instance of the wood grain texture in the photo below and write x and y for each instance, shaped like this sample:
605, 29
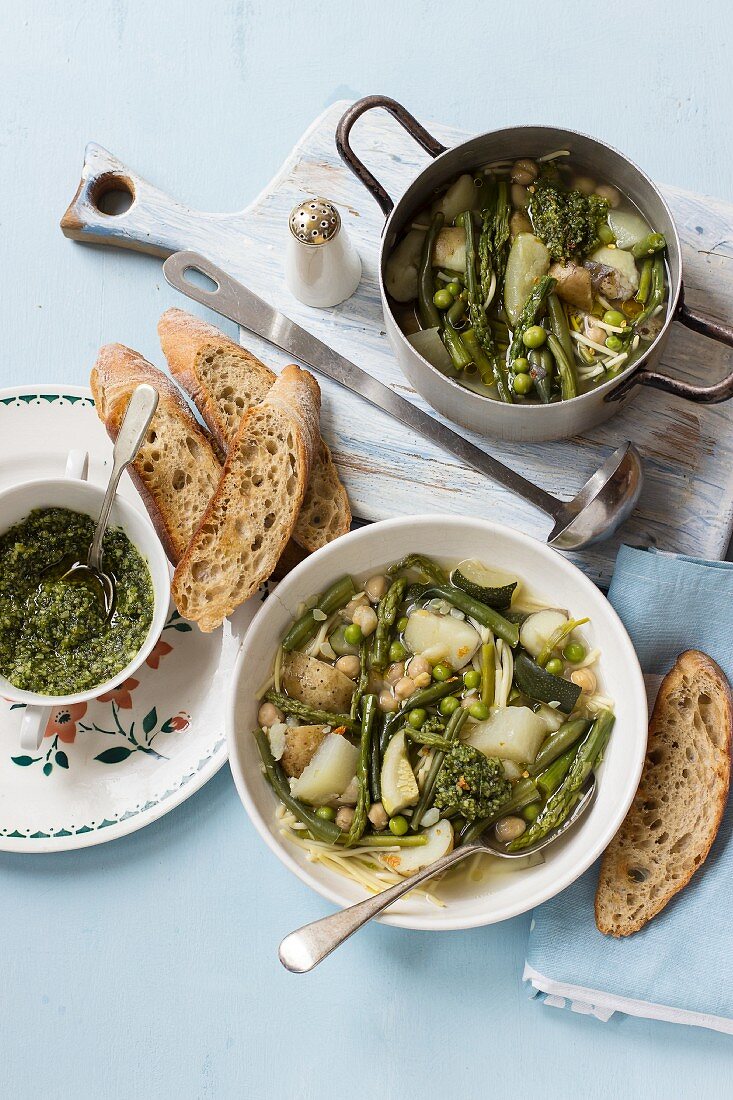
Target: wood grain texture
687, 502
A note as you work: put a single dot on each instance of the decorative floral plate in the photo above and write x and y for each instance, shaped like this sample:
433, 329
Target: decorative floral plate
112, 766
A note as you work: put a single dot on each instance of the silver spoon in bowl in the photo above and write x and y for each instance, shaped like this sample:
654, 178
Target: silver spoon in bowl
139, 413
304, 949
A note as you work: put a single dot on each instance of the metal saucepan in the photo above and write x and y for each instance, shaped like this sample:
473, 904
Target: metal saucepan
528, 421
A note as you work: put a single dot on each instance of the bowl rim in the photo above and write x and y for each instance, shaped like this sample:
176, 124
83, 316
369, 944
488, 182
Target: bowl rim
161, 595
673, 296
447, 919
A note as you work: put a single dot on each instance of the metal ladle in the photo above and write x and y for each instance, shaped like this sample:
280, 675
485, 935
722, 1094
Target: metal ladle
139, 413
304, 949
594, 513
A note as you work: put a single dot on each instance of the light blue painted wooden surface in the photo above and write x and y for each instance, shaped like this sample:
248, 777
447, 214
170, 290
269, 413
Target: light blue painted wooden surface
147, 968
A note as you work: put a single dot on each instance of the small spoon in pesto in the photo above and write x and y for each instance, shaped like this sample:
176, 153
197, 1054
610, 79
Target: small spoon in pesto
139, 413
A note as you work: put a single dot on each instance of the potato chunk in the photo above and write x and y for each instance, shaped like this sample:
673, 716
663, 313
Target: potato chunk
301, 743
316, 683
573, 285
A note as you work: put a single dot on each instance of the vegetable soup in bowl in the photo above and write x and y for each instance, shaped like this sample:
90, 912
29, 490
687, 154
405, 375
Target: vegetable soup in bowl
421, 680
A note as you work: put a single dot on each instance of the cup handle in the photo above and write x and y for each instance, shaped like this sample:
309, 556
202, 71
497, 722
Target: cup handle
77, 465
33, 727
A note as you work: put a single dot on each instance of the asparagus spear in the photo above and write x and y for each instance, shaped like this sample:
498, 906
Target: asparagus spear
386, 615
363, 681
421, 562
457, 718
529, 314
309, 714
559, 805
480, 325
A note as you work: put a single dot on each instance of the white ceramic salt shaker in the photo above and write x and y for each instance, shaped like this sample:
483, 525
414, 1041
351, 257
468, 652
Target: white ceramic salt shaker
322, 267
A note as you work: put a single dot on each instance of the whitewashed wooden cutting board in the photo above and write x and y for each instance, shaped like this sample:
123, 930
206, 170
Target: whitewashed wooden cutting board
687, 502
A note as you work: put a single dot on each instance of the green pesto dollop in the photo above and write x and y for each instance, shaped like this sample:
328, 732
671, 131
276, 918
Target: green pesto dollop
54, 636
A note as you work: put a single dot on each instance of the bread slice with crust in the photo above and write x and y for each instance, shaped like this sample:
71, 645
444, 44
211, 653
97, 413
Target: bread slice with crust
678, 807
253, 511
176, 471
224, 380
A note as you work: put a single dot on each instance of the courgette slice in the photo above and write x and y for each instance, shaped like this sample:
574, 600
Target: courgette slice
541, 685
491, 586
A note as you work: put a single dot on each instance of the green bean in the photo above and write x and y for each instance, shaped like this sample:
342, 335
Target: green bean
452, 730
388, 840
656, 295
386, 615
429, 315
558, 742
307, 625
359, 820
540, 371
565, 368
375, 761
456, 312
561, 803
310, 714
317, 826
559, 324
524, 792
482, 362
655, 242
550, 778
488, 674
483, 614
645, 280
421, 562
455, 347
425, 697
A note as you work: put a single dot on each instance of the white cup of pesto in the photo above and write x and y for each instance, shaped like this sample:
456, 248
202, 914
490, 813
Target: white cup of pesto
55, 646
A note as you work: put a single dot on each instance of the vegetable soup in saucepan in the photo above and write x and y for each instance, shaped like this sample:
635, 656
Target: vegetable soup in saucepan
412, 709
529, 280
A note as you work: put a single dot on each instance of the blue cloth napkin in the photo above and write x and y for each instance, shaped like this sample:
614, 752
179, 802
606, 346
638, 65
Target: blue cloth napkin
679, 967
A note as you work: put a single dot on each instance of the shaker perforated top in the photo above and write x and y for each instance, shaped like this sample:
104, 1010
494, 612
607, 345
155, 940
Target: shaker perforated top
315, 221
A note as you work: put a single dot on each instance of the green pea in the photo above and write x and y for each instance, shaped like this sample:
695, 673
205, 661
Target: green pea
398, 825
479, 711
614, 317
416, 717
613, 343
534, 337
442, 672
402, 624
397, 652
326, 813
521, 365
454, 289
574, 652
606, 236
530, 813
522, 383
353, 634
448, 705
554, 666
472, 679
443, 299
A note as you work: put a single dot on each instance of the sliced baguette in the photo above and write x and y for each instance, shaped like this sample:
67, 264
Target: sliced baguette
679, 805
253, 511
224, 380
176, 471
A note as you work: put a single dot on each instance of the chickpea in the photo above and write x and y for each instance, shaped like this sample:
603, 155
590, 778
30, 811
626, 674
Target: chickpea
584, 184
404, 688
350, 666
520, 197
366, 619
353, 605
519, 223
387, 702
585, 680
506, 830
378, 815
344, 818
422, 680
375, 588
524, 172
612, 196
416, 666
394, 673
269, 714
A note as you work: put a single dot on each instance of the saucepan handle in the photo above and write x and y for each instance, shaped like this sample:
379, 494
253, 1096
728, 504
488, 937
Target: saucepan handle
343, 131
701, 395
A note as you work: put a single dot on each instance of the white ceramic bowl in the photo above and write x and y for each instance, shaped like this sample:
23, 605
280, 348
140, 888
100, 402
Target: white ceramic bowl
546, 573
